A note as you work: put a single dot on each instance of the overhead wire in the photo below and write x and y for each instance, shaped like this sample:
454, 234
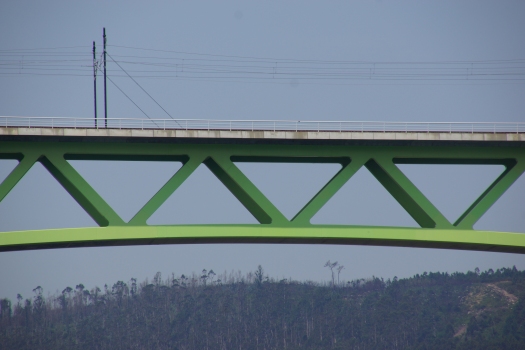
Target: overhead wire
129, 98
273, 59
185, 65
158, 104
48, 48
244, 58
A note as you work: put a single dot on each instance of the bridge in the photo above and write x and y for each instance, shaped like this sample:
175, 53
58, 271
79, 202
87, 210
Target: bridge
377, 146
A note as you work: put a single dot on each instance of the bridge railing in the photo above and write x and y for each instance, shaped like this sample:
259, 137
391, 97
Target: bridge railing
262, 125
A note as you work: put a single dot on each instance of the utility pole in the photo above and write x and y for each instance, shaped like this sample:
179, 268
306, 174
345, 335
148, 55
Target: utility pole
105, 92
95, 80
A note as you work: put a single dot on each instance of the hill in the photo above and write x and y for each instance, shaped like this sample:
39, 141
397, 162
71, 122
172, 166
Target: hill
430, 311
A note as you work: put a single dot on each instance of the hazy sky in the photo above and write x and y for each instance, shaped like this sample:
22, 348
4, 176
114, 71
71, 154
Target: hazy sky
371, 31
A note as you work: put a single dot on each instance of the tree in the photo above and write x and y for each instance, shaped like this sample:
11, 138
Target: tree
39, 301
5, 308
62, 299
93, 296
119, 290
339, 269
204, 276
183, 281
19, 298
157, 280
133, 289
331, 266
259, 275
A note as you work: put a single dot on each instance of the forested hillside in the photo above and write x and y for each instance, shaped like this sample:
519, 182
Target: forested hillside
232, 311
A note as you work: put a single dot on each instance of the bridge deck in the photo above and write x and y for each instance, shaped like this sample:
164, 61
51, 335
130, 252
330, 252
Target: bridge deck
249, 135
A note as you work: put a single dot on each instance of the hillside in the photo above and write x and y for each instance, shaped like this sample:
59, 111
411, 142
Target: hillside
429, 311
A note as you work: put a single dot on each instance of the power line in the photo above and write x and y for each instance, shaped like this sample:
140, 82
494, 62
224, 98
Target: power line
322, 80
283, 70
140, 86
253, 69
357, 82
46, 74
273, 59
199, 72
129, 98
49, 48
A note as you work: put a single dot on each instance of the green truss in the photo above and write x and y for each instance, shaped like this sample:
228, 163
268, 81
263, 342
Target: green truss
436, 231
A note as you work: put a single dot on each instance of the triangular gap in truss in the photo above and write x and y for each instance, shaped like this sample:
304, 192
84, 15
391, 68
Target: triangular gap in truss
6, 166
363, 201
126, 185
289, 186
508, 213
39, 202
451, 188
201, 199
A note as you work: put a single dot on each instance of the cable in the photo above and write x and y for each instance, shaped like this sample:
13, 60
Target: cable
363, 82
48, 48
141, 88
48, 74
273, 59
129, 98
277, 80
257, 70
364, 74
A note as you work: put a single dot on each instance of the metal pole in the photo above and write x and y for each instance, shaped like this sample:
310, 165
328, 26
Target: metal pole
105, 92
95, 81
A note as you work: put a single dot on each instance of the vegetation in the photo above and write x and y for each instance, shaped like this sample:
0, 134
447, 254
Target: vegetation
233, 311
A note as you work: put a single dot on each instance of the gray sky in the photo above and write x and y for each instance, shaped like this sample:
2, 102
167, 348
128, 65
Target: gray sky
380, 31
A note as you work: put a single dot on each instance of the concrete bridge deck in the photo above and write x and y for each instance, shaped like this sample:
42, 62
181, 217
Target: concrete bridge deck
262, 134
258, 131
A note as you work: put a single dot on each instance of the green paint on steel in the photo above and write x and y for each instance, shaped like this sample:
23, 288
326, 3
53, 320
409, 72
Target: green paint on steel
320, 234
381, 161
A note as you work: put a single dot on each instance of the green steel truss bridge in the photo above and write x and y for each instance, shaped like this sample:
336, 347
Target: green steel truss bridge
378, 146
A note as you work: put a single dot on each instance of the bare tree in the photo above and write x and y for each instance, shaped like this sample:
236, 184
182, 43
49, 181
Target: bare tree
331, 266
339, 269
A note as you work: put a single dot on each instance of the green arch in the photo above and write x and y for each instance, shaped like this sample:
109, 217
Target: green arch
319, 234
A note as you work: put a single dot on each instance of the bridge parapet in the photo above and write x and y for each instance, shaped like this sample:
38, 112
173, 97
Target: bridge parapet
23, 123
247, 130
